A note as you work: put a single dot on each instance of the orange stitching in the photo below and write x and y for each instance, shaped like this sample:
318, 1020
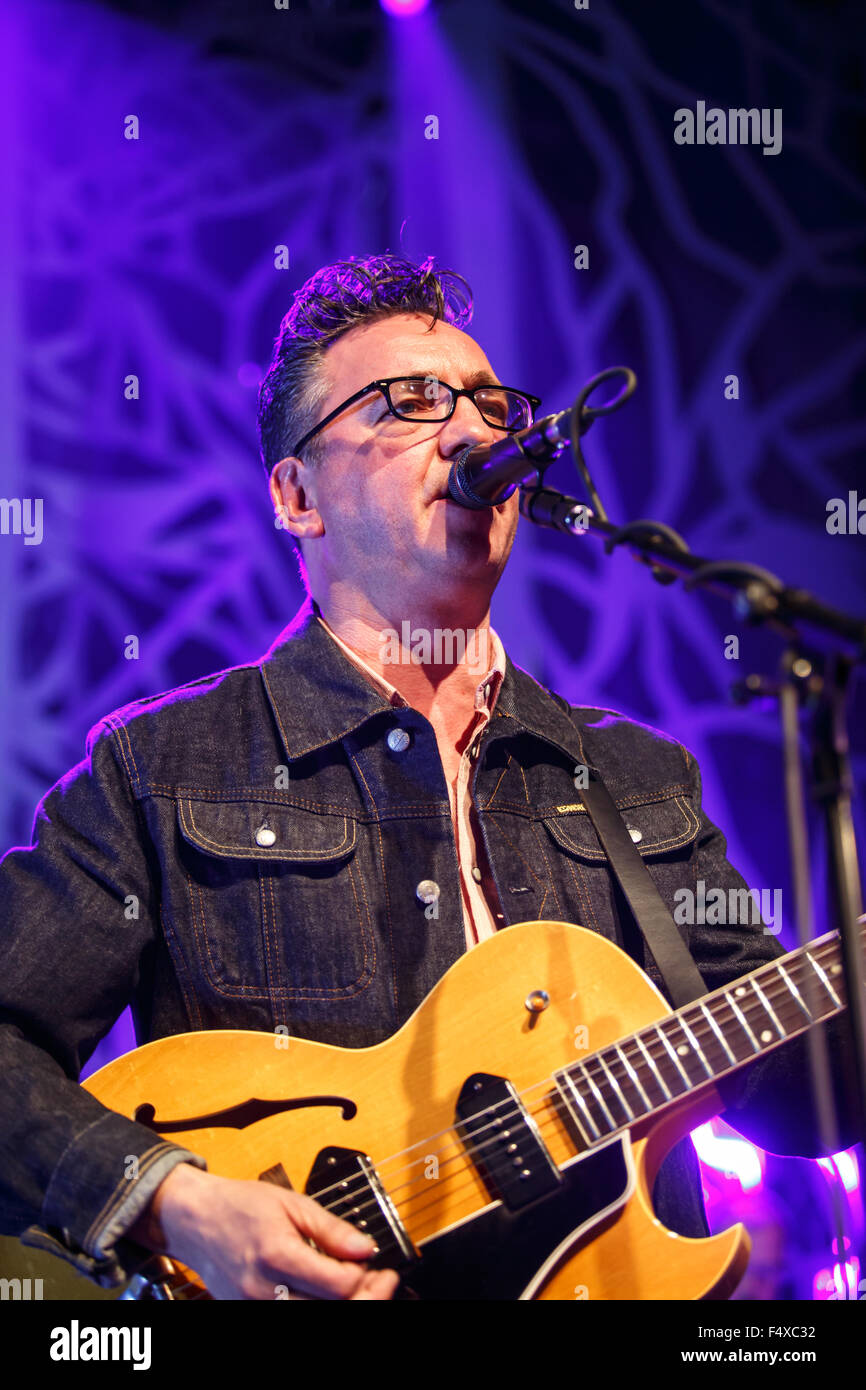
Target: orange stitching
203, 840
121, 1192
190, 1001
549, 873
231, 991
384, 883
489, 802
672, 843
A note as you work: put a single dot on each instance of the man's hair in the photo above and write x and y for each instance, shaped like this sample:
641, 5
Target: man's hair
334, 300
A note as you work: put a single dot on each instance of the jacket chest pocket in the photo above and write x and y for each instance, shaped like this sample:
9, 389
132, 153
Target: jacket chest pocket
662, 831
660, 827
275, 902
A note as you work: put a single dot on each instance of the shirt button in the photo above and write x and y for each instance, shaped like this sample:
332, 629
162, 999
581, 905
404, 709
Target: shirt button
427, 891
398, 740
265, 836
636, 835
476, 873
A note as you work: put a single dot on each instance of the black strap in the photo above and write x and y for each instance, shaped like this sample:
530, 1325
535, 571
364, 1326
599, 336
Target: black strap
651, 913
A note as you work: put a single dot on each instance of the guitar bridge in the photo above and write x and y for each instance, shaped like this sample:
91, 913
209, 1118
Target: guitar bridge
346, 1183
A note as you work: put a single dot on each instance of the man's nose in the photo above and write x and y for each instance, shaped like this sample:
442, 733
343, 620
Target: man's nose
466, 427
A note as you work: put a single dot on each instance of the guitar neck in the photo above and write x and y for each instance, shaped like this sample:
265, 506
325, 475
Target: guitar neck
703, 1042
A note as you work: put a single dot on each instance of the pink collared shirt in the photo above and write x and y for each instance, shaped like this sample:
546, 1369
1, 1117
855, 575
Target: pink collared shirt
481, 910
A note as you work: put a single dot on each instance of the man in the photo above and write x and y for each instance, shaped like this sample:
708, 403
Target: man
311, 840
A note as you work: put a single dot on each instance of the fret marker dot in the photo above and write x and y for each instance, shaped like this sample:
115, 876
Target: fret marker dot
740, 991
683, 1050
835, 969
766, 1036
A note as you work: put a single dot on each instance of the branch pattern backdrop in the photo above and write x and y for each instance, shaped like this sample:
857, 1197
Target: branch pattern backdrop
307, 128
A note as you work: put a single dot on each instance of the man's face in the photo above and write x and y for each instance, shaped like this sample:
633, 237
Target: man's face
375, 520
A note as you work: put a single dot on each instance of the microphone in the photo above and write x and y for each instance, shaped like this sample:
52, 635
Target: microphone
487, 474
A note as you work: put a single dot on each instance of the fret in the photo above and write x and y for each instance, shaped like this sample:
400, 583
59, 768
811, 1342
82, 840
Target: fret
635, 1079
824, 980
687, 1050
627, 1110
569, 1092
718, 1034
744, 1023
666, 1093
707, 1013
769, 1009
674, 1058
611, 1122
794, 990
709, 1043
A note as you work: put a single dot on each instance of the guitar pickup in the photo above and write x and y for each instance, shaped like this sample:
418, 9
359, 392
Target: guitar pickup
347, 1184
504, 1142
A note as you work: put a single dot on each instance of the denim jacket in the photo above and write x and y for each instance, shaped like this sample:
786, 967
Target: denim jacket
245, 851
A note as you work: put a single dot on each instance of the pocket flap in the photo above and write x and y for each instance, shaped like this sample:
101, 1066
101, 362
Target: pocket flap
228, 829
662, 825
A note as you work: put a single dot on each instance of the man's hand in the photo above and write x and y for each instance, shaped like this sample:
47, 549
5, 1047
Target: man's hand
250, 1239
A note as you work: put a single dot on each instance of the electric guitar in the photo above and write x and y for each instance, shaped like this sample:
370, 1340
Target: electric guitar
504, 1143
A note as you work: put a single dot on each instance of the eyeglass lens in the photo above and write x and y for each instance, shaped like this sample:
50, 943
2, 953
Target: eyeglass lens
425, 398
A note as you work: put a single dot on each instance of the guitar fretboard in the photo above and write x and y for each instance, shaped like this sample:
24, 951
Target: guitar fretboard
703, 1041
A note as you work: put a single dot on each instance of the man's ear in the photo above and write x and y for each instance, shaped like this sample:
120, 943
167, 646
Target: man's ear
292, 486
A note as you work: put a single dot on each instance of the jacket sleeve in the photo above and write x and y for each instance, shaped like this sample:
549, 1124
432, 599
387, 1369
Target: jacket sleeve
77, 918
771, 1101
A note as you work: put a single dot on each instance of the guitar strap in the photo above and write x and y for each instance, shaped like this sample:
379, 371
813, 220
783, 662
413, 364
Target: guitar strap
648, 907
653, 918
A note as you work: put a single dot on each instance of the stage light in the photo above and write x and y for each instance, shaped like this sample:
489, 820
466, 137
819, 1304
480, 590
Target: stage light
403, 8
732, 1157
844, 1167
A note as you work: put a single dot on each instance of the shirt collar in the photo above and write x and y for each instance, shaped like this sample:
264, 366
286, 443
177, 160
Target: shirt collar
485, 694
319, 696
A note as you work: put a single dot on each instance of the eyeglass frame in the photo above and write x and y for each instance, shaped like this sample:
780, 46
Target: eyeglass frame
384, 383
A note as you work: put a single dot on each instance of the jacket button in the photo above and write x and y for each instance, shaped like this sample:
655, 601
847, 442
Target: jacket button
636, 835
265, 836
398, 740
427, 891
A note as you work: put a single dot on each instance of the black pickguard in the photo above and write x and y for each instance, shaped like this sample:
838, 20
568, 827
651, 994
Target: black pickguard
496, 1254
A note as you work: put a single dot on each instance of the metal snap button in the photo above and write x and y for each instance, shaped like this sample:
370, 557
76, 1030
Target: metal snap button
265, 836
398, 740
636, 834
427, 891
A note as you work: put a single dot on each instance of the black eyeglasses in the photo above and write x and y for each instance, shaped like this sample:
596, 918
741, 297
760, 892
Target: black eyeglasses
425, 398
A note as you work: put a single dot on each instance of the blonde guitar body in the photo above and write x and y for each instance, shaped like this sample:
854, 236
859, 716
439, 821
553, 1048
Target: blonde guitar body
395, 1103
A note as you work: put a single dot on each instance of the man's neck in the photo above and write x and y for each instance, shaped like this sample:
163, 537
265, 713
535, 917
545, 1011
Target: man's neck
436, 662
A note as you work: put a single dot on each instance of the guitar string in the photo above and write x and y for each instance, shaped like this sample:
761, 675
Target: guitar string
780, 990
357, 1187
699, 1027
466, 1165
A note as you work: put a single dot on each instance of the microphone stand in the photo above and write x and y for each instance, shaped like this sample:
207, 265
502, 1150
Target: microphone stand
813, 680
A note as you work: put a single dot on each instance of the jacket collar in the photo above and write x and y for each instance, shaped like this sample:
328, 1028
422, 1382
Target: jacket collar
318, 696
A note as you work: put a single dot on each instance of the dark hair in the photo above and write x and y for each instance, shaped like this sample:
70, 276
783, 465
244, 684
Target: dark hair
337, 298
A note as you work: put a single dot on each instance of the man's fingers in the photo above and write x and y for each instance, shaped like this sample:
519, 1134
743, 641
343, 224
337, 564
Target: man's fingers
298, 1265
336, 1237
378, 1284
